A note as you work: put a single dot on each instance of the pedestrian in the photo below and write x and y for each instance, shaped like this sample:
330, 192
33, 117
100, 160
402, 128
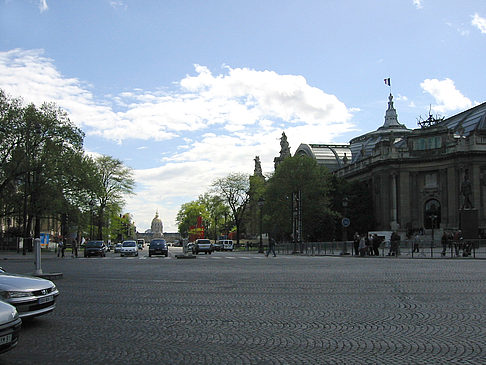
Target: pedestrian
457, 241
271, 247
445, 242
356, 244
74, 253
416, 241
362, 245
368, 244
394, 244
60, 249
376, 245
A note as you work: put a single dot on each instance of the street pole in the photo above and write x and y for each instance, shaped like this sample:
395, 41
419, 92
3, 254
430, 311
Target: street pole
261, 202
38, 269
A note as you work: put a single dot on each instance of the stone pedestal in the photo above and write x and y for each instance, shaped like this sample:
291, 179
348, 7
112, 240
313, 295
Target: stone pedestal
469, 223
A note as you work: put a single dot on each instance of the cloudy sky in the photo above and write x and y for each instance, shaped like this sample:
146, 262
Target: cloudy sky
188, 91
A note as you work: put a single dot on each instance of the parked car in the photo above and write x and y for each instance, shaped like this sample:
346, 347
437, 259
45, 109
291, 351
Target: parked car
158, 247
95, 248
117, 248
129, 248
218, 246
10, 323
227, 245
31, 296
202, 245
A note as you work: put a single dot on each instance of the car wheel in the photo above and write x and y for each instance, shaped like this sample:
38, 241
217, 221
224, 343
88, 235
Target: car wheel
166, 254
121, 255
150, 255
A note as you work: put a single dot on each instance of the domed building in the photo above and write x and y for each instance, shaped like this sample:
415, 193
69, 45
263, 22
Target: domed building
432, 177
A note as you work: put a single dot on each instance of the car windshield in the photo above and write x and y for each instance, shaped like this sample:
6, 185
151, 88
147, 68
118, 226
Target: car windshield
94, 244
204, 242
157, 243
129, 244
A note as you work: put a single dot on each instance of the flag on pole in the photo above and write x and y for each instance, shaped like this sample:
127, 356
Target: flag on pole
388, 82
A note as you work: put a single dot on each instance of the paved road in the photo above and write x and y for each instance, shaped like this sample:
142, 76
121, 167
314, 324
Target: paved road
241, 308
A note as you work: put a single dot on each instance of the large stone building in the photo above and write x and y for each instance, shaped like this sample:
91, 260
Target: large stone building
433, 177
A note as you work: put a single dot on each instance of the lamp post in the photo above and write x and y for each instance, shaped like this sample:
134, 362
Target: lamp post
261, 202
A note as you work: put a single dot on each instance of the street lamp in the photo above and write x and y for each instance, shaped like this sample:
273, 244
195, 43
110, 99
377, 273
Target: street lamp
261, 202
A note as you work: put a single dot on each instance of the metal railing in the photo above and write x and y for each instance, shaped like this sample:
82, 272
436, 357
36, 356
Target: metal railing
427, 248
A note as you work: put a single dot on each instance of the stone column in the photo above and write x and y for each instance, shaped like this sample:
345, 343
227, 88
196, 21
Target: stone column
394, 200
474, 175
452, 197
404, 205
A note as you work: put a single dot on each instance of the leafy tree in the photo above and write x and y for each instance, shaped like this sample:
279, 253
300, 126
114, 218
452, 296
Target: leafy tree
234, 189
36, 146
112, 181
11, 113
294, 174
217, 211
188, 215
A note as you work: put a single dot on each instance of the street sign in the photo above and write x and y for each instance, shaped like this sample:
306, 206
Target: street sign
345, 222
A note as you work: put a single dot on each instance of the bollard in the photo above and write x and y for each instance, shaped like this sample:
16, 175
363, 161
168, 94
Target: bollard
38, 269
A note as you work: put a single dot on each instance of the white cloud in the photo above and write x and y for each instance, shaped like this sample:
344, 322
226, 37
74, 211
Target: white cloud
447, 97
418, 4
479, 23
219, 123
43, 5
118, 4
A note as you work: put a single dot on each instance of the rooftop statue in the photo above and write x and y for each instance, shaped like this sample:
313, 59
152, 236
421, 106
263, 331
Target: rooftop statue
258, 167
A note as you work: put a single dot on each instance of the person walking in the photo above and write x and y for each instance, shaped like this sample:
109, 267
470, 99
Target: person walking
445, 242
356, 244
376, 245
416, 241
362, 245
60, 249
74, 253
271, 247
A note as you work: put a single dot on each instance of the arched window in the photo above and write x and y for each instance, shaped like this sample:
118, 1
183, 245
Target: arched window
432, 214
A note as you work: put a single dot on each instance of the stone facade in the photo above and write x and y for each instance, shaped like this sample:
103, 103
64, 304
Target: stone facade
417, 177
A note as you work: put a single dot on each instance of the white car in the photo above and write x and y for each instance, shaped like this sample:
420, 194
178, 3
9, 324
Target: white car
129, 248
226, 245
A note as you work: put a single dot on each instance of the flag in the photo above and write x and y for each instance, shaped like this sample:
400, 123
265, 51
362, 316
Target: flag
387, 82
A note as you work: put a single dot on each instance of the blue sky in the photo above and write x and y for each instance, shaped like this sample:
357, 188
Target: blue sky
185, 92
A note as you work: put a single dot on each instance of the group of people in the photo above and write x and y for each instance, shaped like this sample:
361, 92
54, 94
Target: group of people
455, 240
366, 245
61, 247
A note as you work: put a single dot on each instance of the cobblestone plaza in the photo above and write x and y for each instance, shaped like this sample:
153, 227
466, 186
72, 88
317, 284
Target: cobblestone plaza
242, 308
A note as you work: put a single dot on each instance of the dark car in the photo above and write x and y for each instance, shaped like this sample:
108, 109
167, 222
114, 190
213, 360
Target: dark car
158, 247
95, 248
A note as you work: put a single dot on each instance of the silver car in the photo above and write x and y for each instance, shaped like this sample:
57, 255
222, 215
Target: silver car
31, 296
10, 323
129, 248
